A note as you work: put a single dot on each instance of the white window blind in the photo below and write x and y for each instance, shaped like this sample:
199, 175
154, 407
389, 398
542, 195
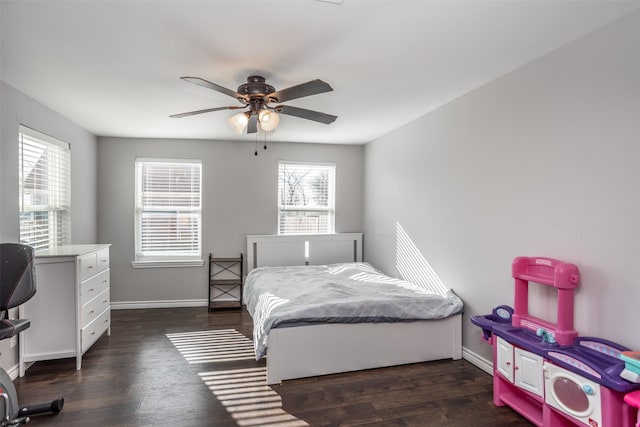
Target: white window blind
45, 190
168, 210
306, 198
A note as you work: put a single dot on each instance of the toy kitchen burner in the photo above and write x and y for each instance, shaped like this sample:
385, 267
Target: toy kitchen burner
544, 370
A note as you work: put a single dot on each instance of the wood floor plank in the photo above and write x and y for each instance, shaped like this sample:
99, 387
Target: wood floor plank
138, 377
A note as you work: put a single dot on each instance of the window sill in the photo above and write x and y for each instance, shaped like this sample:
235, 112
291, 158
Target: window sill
167, 264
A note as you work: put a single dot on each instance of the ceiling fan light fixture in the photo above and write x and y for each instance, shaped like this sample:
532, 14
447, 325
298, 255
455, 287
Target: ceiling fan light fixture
269, 120
255, 95
239, 122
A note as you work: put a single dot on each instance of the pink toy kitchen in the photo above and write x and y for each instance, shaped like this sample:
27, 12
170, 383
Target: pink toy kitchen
547, 372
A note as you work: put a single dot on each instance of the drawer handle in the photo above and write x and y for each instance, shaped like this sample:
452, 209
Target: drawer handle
90, 267
105, 281
90, 289
93, 333
106, 320
104, 260
105, 301
91, 312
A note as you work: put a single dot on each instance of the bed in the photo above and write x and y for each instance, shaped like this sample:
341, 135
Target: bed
318, 343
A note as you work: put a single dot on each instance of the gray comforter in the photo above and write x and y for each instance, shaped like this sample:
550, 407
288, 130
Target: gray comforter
337, 293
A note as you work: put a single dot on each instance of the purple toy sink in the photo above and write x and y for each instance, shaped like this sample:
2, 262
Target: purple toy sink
500, 315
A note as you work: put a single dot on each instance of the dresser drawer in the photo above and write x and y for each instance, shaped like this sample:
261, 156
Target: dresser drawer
94, 286
102, 259
88, 265
93, 308
90, 333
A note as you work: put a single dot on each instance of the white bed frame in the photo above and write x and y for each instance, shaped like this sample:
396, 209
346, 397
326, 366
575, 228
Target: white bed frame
306, 351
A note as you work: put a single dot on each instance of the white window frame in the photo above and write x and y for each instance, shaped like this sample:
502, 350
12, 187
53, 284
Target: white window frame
167, 258
329, 209
44, 189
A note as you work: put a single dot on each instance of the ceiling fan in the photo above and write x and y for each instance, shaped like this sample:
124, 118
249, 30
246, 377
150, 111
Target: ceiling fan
256, 95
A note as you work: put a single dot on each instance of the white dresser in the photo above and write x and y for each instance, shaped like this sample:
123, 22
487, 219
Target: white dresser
72, 306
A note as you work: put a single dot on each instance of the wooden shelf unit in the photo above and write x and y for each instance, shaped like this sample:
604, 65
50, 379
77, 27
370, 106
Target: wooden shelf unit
225, 282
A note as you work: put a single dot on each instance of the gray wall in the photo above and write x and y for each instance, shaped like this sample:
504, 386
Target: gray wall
239, 198
540, 162
16, 109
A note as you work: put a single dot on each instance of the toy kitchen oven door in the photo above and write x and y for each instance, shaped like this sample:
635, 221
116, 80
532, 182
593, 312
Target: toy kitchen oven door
583, 384
573, 395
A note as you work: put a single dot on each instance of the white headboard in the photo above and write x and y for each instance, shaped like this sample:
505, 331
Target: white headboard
303, 249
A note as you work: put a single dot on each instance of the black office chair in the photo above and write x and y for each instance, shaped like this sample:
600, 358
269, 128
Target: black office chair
17, 286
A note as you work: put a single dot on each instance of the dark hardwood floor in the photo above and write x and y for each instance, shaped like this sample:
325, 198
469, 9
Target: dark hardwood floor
138, 377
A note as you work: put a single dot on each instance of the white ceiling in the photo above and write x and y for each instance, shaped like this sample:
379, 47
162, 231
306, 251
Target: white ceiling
113, 67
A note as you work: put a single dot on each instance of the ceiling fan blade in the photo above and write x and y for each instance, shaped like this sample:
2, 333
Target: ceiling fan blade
306, 114
205, 83
207, 110
313, 87
252, 126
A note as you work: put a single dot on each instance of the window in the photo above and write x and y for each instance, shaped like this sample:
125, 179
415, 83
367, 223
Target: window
306, 198
45, 190
168, 214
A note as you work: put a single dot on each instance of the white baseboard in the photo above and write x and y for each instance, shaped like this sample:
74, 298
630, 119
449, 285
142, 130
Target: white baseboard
129, 305
477, 360
14, 372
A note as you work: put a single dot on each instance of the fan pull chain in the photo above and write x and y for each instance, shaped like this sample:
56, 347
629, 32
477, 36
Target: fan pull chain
256, 152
